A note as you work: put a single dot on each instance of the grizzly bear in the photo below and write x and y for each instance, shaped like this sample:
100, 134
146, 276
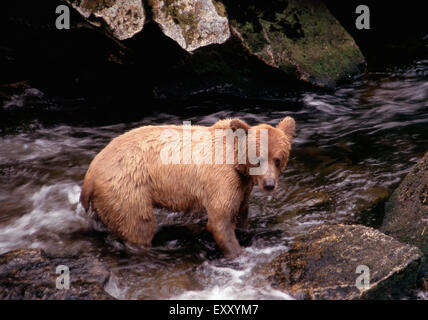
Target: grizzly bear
146, 168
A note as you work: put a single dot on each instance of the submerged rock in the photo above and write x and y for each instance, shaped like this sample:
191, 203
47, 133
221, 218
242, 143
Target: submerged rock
124, 18
191, 23
31, 274
297, 37
406, 212
370, 206
323, 264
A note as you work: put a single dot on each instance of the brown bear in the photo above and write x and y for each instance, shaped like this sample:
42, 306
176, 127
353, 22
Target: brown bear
130, 177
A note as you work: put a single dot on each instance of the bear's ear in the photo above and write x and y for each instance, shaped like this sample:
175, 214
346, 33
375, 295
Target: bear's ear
287, 125
242, 169
236, 124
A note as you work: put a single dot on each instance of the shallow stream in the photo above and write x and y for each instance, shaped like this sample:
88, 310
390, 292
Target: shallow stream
352, 148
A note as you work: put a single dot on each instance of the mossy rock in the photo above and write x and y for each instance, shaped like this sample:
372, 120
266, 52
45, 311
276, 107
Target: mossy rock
298, 37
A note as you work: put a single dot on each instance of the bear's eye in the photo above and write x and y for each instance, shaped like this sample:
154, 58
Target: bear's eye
277, 162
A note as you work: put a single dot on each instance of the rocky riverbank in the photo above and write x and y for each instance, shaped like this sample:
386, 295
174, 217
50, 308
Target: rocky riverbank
31, 274
332, 261
335, 262
327, 263
119, 53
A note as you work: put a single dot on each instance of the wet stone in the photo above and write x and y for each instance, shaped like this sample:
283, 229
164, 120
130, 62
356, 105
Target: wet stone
323, 265
406, 212
30, 274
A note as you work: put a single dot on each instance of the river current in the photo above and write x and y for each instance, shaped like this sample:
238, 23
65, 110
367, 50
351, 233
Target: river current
352, 148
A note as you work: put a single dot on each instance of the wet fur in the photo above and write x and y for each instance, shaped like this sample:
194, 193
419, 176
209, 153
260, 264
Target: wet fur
127, 179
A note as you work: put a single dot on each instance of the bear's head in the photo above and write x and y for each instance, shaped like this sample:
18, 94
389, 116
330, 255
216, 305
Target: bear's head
271, 149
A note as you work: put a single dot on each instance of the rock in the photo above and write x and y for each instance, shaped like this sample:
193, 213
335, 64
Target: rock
314, 199
300, 38
323, 264
370, 206
31, 274
182, 47
191, 23
406, 211
124, 18
297, 37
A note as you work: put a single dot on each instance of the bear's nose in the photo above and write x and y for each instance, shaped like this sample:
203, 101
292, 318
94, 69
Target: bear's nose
269, 184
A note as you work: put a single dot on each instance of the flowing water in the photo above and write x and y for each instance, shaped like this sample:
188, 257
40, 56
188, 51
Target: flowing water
352, 148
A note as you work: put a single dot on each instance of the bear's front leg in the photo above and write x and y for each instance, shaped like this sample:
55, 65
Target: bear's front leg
223, 231
242, 218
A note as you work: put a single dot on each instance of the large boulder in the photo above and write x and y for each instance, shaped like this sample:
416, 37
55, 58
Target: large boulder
30, 274
323, 265
123, 18
174, 48
298, 37
191, 23
406, 212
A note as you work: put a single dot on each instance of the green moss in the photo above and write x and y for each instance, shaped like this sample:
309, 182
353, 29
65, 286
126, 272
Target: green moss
303, 34
288, 68
255, 40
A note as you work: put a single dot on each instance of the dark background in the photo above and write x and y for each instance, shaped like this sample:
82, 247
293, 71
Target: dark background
76, 62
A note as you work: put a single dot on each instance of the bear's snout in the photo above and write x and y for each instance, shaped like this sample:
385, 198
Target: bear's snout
269, 185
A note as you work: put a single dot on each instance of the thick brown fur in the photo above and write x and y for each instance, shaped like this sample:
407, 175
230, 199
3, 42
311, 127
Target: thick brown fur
127, 179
